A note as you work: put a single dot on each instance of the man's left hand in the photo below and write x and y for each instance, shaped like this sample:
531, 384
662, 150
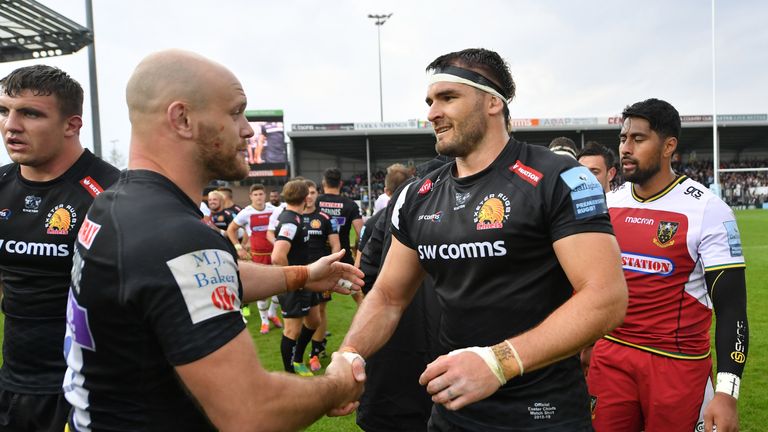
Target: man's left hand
459, 380
328, 273
721, 412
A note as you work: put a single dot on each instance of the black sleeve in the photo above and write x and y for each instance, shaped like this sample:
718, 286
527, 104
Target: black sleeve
728, 291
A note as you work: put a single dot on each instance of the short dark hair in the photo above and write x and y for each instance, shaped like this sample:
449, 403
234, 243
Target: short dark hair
594, 148
310, 183
255, 187
295, 191
44, 80
226, 191
332, 177
488, 63
661, 115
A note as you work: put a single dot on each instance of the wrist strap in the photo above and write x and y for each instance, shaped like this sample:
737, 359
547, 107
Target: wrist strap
728, 383
295, 277
486, 353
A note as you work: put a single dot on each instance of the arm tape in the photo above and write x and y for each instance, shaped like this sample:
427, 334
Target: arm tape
295, 277
728, 291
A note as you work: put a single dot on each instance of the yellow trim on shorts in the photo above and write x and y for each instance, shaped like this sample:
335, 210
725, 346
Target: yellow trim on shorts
66, 427
670, 354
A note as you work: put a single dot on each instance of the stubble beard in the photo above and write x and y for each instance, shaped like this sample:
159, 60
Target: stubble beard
467, 135
223, 163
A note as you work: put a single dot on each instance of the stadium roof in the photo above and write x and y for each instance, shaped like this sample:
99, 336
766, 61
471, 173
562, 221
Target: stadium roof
29, 30
414, 139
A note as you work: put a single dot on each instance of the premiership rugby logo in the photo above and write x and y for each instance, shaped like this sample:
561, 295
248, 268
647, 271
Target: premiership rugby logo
664, 234
60, 220
492, 212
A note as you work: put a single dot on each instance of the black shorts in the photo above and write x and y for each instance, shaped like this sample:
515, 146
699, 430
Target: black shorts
297, 304
31, 412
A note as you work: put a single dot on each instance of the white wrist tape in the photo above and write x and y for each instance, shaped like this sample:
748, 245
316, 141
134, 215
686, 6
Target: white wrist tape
486, 353
350, 356
728, 383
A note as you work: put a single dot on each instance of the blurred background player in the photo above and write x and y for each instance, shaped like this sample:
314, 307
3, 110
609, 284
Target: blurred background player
229, 204
291, 248
345, 212
564, 147
220, 217
254, 218
323, 240
601, 161
274, 198
45, 194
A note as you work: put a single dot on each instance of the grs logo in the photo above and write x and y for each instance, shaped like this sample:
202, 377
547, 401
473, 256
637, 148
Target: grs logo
435, 217
694, 192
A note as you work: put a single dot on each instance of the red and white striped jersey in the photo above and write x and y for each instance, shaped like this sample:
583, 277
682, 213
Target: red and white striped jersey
668, 242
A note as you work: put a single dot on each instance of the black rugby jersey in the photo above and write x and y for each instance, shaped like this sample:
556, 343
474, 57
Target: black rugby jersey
38, 225
486, 239
319, 227
290, 228
145, 298
223, 218
343, 211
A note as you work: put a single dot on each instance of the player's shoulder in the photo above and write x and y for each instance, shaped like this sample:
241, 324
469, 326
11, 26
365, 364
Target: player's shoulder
322, 215
7, 172
536, 163
616, 196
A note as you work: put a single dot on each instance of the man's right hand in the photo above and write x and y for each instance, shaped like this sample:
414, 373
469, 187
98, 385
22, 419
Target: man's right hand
351, 375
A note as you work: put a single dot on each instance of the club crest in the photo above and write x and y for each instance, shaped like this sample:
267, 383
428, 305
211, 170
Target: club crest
664, 234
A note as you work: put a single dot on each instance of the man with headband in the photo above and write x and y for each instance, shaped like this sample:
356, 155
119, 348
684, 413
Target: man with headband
508, 232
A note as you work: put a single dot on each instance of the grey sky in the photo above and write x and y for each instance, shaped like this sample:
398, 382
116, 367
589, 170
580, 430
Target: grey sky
318, 60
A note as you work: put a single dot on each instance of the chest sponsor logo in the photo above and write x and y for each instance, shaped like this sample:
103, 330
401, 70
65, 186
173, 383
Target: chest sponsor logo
734, 239
425, 187
32, 204
434, 217
288, 231
208, 283
36, 249
647, 264
60, 220
492, 212
664, 233
87, 232
526, 173
91, 186
462, 250
461, 200
5, 214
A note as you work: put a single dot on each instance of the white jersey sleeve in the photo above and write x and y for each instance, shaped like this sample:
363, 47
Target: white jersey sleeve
720, 245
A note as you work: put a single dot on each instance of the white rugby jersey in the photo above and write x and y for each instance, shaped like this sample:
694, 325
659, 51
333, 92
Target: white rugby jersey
668, 242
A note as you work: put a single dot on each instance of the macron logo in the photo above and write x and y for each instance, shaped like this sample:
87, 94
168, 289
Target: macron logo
87, 233
91, 186
526, 173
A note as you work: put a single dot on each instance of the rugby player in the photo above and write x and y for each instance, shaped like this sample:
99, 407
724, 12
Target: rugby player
601, 161
682, 258
254, 218
155, 339
507, 232
44, 195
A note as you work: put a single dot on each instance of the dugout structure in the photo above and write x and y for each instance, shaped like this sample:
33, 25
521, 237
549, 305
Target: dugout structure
369, 147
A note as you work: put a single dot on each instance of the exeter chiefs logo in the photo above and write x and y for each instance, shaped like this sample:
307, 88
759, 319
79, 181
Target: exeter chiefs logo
492, 212
60, 220
664, 234
315, 224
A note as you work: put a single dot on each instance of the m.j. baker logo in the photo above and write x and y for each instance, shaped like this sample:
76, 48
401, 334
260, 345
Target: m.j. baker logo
492, 212
60, 219
223, 298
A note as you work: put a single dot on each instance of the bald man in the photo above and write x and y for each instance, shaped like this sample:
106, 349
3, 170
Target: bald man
155, 339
